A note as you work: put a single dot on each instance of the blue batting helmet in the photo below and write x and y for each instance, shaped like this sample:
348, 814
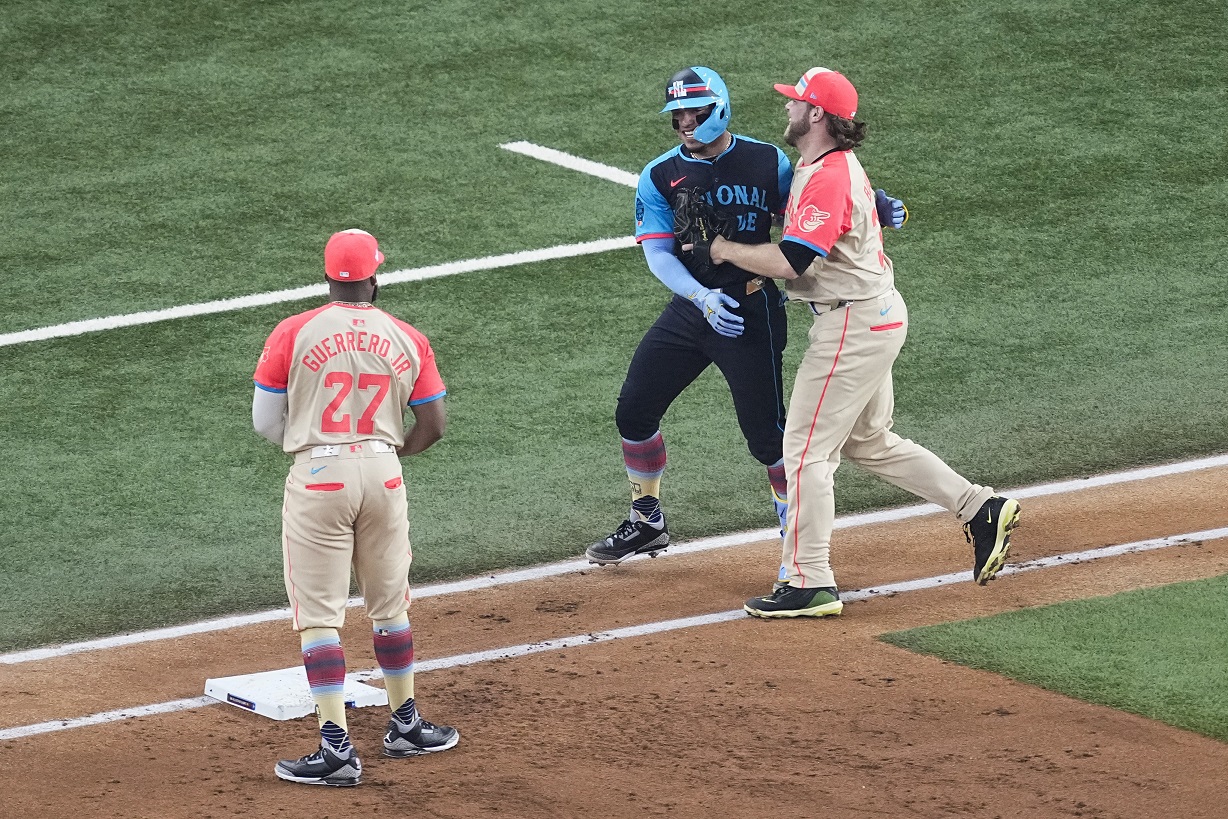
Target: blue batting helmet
699, 87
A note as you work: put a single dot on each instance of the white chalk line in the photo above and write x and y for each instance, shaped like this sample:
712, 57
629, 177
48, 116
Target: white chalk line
566, 567
106, 717
580, 640
75, 328
574, 163
859, 595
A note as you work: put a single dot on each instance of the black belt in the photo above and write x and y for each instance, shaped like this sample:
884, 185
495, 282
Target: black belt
828, 305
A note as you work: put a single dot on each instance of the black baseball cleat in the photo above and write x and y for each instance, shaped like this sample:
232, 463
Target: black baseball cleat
324, 767
790, 601
422, 737
629, 539
990, 535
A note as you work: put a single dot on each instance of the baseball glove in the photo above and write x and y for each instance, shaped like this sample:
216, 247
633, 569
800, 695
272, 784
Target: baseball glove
697, 223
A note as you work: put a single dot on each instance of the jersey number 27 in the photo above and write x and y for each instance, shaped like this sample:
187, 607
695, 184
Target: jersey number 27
329, 422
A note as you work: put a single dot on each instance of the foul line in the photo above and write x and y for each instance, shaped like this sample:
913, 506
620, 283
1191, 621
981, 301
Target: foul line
76, 328
578, 640
573, 163
107, 716
565, 567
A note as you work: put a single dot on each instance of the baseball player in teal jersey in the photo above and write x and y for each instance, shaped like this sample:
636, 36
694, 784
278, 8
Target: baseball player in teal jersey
332, 387
831, 256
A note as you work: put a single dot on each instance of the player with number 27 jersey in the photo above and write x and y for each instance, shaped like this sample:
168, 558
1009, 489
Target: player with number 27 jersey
332, 388
348, 372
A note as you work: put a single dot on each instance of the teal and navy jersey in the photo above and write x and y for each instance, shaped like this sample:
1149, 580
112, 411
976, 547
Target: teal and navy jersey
749, 181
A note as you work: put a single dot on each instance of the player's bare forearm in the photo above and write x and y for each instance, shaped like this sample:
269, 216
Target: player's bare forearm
763, 260
430, 420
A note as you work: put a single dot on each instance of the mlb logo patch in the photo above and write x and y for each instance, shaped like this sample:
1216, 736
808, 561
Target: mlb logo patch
359, 322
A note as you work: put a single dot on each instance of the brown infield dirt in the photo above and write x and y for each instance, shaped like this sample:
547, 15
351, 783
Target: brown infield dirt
748, 718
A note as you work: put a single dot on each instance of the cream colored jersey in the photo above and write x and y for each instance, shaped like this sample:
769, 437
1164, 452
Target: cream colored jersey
831, 211
348, 372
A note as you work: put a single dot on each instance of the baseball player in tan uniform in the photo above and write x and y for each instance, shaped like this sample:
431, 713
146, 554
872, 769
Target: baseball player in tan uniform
332, 387
831, 254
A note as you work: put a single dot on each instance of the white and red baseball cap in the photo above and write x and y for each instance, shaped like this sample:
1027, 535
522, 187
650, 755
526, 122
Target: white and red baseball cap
829, 90
351, 256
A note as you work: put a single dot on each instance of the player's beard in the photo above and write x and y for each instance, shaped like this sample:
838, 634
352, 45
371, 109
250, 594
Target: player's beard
796, 130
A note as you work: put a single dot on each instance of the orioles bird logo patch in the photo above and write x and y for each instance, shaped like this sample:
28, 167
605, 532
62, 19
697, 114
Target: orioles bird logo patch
812, 218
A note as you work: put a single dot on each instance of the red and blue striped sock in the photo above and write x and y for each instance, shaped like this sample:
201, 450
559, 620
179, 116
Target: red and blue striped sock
645, 462
394, 651
324, 662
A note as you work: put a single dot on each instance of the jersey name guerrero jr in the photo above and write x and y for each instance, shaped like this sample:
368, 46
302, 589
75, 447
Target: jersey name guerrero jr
349, 373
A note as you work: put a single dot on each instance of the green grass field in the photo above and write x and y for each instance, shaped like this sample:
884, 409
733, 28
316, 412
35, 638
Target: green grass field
1064, 266
1139, 651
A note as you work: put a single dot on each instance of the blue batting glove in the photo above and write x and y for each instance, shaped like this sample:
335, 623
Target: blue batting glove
891, 212
713, 304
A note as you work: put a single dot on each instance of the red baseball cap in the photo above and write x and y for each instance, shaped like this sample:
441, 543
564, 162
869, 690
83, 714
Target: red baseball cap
351, 256
829, 90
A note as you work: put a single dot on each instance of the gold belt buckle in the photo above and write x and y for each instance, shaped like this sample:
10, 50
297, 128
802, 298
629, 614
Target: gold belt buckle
754, 285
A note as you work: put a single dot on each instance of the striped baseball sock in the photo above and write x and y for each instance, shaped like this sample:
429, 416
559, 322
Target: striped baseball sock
645, 462
337, 737
324, 662
780, 493
394, 651
407, 714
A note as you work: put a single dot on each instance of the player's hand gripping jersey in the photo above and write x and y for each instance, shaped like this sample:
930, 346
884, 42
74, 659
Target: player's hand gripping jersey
747, 182
349, 372
831, 210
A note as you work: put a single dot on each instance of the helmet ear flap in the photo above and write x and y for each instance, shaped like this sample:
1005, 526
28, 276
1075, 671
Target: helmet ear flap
718, 121
715, 124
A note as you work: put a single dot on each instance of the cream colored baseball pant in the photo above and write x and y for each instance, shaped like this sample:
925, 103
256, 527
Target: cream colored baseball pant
345, 505
842, 404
